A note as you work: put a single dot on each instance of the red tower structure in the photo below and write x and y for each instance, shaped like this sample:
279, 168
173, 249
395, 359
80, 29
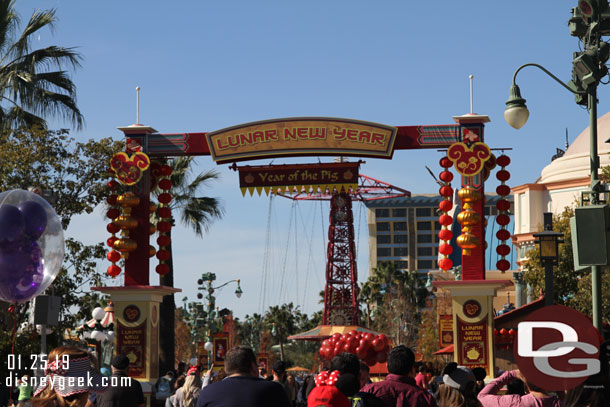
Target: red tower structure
341, 291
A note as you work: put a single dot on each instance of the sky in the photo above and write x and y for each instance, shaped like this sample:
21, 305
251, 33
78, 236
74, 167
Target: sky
206, 65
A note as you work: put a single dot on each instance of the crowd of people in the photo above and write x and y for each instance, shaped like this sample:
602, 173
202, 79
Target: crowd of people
345, 382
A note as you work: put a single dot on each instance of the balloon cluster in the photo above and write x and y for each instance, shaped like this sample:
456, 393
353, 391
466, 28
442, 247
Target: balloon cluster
368, 347
26, 266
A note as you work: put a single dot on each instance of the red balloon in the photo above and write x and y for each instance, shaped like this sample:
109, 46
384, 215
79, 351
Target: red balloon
378, 345
445, 220
446, 191
371, 360
336, 336
325, 343
383, 338
369, 337
445, 162
503, 190
445, 205
445, 234
382, 357
503, 160
503, 175
445, 249
364, 344
446, 176
347, 348
445, 264
353, 332
361, 352
503, 234
386, 348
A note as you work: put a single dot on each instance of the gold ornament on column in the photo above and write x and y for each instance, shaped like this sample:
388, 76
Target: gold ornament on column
468, 218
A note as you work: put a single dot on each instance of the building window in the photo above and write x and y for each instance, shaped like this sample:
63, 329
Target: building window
384, 252
401, 238
401, 251
383, 226
402, 264
400, 226
424, 225
424, 238
420, 212
436, 238
425, 264
382, 213
399, 213
381, 239
424, 251
437, 226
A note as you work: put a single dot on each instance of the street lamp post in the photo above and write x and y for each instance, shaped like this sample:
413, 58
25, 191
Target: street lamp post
588, 69
548, 241
209, 279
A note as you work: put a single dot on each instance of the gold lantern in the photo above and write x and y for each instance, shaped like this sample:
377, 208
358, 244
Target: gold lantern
128, 200
126, 222
125, 245
151, 251
467, 242
468, 218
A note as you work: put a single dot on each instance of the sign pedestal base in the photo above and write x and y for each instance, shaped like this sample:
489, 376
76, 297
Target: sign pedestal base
136, 327
472, 309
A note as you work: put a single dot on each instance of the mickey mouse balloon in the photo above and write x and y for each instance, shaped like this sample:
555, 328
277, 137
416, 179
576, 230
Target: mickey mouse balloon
31, 245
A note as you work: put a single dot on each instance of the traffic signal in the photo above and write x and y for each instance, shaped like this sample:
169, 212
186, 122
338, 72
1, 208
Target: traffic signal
589, 66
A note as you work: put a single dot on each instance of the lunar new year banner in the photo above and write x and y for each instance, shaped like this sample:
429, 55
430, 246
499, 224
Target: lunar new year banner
302, 136
445, 330
340, 176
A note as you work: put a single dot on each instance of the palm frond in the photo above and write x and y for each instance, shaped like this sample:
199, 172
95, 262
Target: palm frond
38, 20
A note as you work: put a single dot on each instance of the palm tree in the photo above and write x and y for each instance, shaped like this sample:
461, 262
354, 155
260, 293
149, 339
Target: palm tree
33, 83
196, 212
281, 321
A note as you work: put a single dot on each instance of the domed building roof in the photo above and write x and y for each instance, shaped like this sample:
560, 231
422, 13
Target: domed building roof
575, 162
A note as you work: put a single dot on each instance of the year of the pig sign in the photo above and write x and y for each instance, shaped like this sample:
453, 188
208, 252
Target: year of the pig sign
278, 178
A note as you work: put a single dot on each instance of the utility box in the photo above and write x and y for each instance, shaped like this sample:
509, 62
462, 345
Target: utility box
591, 235
46, 310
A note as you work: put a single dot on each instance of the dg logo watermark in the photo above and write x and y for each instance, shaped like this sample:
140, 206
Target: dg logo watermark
557, 348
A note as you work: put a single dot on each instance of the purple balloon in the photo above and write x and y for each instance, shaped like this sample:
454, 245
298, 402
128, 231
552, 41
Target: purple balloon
35, 218
21, 271
12, 224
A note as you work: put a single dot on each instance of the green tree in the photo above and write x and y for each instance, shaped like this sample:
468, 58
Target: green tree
33, 82
281, 321
197, 213
74, 174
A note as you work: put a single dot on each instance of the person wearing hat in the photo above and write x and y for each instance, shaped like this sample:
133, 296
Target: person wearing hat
279, 376
457, 389
62, 385
124, 391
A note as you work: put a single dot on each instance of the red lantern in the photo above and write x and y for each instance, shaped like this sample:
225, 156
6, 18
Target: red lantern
165, 184
110, 241
162, 269
113, 256
491, 162
164, 226
446, 191
445, 220
512, 332
113, 213
503, 160
503, 175
113, 270
446, 176
503, 249
503, 331
164, 198
503, 234
502, 265
445, 162
163, 240
495, 331
165, 170
445, 264
163, 255
503, 190
503, 205
164, 212
112, 228
112, 184
503, 219
445, 249
445, 234
445, 205
111, 200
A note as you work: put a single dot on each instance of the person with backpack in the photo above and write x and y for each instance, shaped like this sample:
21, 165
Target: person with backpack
163, 387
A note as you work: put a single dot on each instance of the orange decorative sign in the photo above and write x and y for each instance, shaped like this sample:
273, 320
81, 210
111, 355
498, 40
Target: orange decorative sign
445, 330
302, 136
468, 159
129, 170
